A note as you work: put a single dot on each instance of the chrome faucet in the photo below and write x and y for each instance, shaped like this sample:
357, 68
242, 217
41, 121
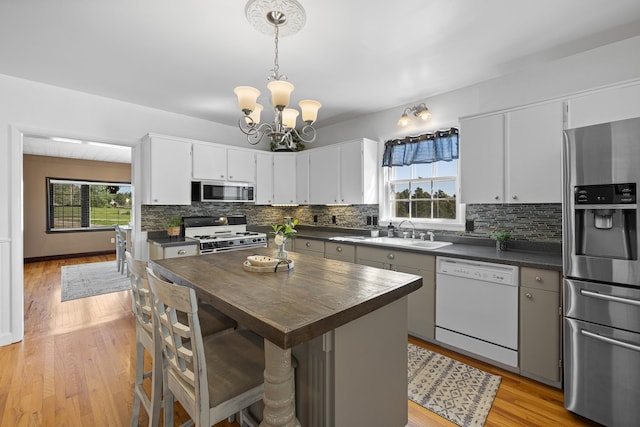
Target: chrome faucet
413, 228
432, 236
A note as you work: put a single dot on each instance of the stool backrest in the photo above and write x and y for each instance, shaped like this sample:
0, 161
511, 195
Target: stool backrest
186, 363
141, 293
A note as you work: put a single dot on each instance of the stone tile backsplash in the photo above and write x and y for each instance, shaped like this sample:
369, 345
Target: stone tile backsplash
527, 222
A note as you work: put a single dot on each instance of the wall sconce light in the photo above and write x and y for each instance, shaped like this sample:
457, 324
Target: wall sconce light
419, 110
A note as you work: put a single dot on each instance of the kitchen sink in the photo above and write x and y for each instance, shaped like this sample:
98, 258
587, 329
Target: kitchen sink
426, 244
406, 243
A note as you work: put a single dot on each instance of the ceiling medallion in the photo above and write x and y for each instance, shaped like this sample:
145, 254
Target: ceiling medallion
276, 16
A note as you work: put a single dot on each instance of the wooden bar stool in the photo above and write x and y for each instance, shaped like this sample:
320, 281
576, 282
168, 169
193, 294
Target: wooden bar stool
213, 322
213, 378
121, 248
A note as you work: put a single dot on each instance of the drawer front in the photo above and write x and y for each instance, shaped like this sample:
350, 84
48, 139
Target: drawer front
308, 245
547, 280
395, 257
178, 251
340, 251
614, 306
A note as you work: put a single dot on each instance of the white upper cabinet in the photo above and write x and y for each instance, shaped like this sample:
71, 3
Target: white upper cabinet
264, 181
345, 173
604, 106
166, 171
284, 178
482, 159
241, 165
359, 169
209, 162
302, 178
534, 150
324, 175
515, 157
219, 163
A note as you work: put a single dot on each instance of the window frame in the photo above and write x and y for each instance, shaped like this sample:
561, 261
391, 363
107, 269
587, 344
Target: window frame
387, 208
89, 229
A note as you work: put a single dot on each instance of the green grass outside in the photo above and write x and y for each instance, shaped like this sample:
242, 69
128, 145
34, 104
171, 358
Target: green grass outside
69, 216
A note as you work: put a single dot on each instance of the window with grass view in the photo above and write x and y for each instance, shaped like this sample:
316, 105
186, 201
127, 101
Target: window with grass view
425, 191
422, 177
87, 205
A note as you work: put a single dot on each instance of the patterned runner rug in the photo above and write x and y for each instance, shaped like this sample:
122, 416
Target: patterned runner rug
86, 280
456, 391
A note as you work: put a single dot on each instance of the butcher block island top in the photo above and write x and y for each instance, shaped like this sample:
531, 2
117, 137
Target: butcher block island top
293, 306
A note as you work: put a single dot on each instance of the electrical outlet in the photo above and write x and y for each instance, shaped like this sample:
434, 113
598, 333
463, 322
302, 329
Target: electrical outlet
375, 220
469, 225
368, 219
315, 219
113, 240
333, 219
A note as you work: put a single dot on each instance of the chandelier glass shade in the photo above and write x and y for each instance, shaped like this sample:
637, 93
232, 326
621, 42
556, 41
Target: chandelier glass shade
282, 132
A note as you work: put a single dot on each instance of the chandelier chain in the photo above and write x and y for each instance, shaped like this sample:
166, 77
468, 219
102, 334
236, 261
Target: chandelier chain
275, 73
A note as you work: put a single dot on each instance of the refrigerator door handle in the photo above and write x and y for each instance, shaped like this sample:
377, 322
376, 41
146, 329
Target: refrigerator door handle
609, 297
610, 340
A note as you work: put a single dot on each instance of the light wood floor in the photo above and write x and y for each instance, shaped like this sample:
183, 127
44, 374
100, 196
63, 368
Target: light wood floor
75, 366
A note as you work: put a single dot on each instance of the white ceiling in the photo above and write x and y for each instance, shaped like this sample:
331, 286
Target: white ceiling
354, 56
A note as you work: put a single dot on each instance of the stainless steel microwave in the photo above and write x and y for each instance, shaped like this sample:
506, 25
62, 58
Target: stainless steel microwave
213, 191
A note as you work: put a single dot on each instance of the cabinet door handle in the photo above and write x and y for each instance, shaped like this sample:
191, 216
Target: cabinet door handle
308, 244
528, 295
538, 279
514, 197
497, 197
182, 252
390, 255
221, 176
230, 177
339, 249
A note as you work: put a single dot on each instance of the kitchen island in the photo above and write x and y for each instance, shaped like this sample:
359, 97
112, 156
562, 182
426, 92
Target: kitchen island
345, 323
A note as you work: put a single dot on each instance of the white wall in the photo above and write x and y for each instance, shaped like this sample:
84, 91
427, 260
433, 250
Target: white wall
608, 65
31, 107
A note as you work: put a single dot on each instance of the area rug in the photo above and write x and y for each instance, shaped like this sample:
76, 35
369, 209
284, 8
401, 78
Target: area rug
456, 391
85, 280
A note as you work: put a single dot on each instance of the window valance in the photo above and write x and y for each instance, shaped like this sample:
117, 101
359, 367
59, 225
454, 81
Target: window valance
426, 148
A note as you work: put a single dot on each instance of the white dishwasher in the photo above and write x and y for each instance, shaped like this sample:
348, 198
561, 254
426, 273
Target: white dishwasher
477, 308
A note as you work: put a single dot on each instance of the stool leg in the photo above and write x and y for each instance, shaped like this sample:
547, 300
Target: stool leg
135, 412
156, 386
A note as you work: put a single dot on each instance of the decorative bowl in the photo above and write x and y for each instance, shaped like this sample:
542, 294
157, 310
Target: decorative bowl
262, 261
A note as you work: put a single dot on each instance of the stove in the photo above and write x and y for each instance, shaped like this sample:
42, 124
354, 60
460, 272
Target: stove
222, 233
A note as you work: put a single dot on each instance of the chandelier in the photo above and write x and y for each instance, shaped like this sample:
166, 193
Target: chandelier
283, 17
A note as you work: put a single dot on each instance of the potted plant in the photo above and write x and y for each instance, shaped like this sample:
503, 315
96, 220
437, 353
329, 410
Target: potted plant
501, 237
298, 145
281, 233
173, 225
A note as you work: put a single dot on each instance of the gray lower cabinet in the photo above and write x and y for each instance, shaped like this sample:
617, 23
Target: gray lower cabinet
540, 323
340, 251
162, 252
421, 302
308, 246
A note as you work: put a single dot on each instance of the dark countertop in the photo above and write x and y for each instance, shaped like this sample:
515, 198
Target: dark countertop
288, 307
522, 254
160, 238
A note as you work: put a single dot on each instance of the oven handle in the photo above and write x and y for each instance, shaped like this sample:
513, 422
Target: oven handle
610, 340
609, 297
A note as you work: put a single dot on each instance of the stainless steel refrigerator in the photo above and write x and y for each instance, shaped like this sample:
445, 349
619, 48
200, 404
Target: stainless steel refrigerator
601, 285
